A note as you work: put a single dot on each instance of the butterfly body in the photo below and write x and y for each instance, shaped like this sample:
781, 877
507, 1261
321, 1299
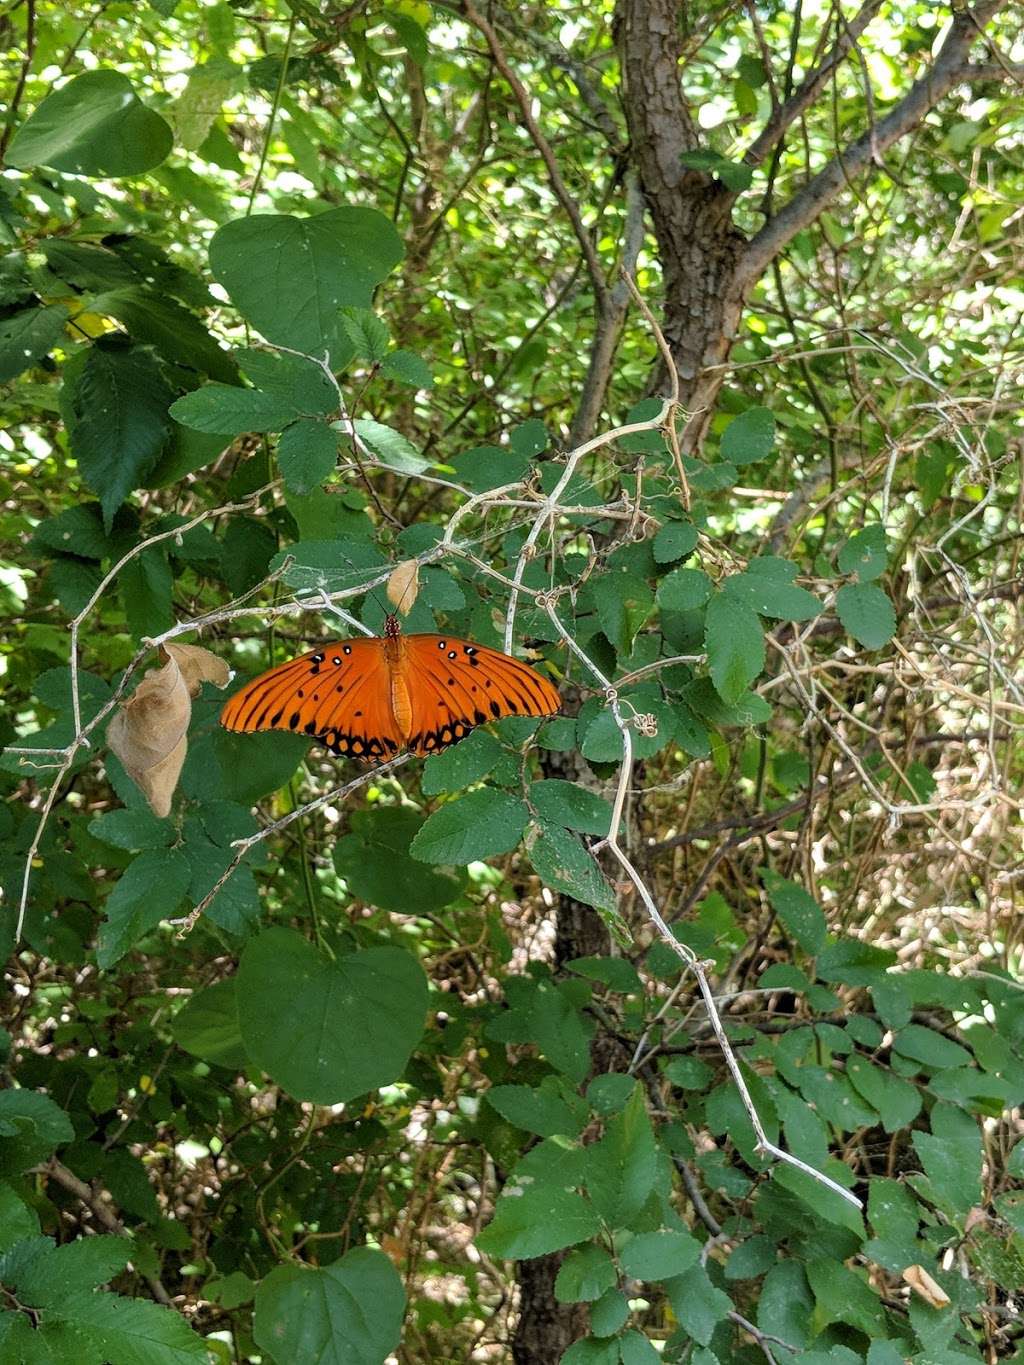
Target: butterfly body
370, 698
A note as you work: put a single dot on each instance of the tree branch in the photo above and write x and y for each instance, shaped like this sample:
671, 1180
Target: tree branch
562, 194
950, 68
811, 87
610, 321
56, 1170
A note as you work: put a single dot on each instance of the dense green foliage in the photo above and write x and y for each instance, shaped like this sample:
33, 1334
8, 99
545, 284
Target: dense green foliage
291, 298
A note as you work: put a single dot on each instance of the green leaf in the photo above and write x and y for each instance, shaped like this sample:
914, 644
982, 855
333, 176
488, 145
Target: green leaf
328, 564
697, 1303
478, 825
390, 447
766, 587
855, 963
172, 330
225, 410
226, 767
535, 1219
689, 1073
675, 540
132, 1331
328, 1030
785, 1304
487, 467
799, 912
893, 1211
684, 590
207, 1026
375, 861
615, 972
529, 439
932, 470
26, 336
835, 1099
866, 613
307, 454
560, 1031
546, 1110
94, 125
79, 530
897, 1101
609, 1313
569, 804
592, 1351
749, 437
622, 1167
198, 106
623, 602
735, 646
132, 829
925, 1045
290, 277
120, 406
17, 1220
951, 1156
608, 1095
748, 709
410, 34
865, 554
297, 381
635, 1349
46, 1278
407, 368
146, 585
367, 334
565, 865
461, 765
733, 174
751, 1259
32, 1126
347, 1313
585, 1275
151, 888
842, 1296
659, 1255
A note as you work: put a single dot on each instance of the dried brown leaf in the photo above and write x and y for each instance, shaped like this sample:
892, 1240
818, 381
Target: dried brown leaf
198, 665
922, 1283
404, 585
149, 731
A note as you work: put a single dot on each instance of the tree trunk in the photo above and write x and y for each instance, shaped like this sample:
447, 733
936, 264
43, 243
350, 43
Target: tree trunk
546, 1328
699, 247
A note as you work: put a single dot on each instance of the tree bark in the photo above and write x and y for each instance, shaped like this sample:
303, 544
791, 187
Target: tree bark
698, 246
546, 1328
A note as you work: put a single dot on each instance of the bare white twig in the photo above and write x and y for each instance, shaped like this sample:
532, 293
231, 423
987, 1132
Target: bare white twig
686, 954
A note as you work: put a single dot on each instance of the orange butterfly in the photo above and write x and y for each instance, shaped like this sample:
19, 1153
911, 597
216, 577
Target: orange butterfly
369, 698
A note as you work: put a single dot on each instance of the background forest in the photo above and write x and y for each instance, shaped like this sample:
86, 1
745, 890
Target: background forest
676, 348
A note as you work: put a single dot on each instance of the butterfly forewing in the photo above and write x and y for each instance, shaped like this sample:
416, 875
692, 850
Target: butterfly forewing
337, 694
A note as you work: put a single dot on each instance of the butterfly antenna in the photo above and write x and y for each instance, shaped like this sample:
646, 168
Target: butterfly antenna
370, 592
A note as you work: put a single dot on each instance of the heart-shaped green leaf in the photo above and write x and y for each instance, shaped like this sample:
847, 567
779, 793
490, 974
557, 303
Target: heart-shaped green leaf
328, 1030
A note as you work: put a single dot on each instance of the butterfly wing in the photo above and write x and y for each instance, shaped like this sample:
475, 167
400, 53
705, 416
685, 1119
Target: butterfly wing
338, 694
455, 685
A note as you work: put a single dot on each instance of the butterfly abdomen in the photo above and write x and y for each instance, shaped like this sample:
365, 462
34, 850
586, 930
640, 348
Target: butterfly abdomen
399, 696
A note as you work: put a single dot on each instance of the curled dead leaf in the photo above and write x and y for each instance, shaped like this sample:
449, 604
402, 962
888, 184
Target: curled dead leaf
922, 1283
404, 585
148, 733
